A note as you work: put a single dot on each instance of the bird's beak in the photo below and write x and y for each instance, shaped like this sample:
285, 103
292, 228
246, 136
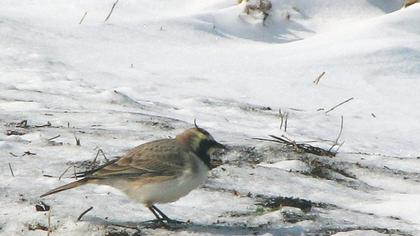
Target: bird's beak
219, 145
218, 150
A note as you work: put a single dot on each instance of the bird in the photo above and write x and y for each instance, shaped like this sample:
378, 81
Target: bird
160, 171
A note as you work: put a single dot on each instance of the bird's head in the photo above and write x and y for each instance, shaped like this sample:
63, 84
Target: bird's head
200, 142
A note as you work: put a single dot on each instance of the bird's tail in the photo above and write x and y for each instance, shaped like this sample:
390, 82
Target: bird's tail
66, 186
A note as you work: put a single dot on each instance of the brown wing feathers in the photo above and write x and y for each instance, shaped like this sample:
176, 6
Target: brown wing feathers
140, 161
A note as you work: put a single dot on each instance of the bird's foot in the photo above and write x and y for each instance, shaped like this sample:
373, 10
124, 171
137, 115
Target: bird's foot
157, 223
174, 222
167, 223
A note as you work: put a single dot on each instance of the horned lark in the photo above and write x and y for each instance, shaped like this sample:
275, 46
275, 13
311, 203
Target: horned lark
160, 171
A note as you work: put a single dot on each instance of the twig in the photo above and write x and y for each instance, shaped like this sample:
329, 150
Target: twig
83, 17
51, 139
11, 170
316, 81
341, 103
112, 9
84, 213
59, 178
339, 135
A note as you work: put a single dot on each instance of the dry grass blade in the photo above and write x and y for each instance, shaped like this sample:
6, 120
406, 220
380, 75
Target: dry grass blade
11, 170
341, 103
284, 116
84, 213
83, 18
299, 147
110, 12
96, 157
12, 154
77, 140
338, 136
65, 171
316, 81
51, 139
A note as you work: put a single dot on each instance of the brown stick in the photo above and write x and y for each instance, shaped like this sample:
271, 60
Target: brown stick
83, 17
112, 9
84, 213
341, 103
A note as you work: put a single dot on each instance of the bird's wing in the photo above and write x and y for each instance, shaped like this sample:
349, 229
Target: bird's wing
158, 158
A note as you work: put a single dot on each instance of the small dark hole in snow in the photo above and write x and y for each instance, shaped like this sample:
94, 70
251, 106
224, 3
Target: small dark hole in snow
37, 227
41, 206
278, 202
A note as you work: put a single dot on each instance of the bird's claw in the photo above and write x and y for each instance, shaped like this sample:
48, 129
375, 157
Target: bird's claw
163, 223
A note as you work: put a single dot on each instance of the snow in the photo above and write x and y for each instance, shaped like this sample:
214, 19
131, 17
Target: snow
288, 165
156, 65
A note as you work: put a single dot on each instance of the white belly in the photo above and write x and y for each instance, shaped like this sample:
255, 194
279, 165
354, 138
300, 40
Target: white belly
172, 190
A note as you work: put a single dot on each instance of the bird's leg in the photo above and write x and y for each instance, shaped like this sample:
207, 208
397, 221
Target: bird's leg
158, 222
165, 217
152, 209
161, 220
